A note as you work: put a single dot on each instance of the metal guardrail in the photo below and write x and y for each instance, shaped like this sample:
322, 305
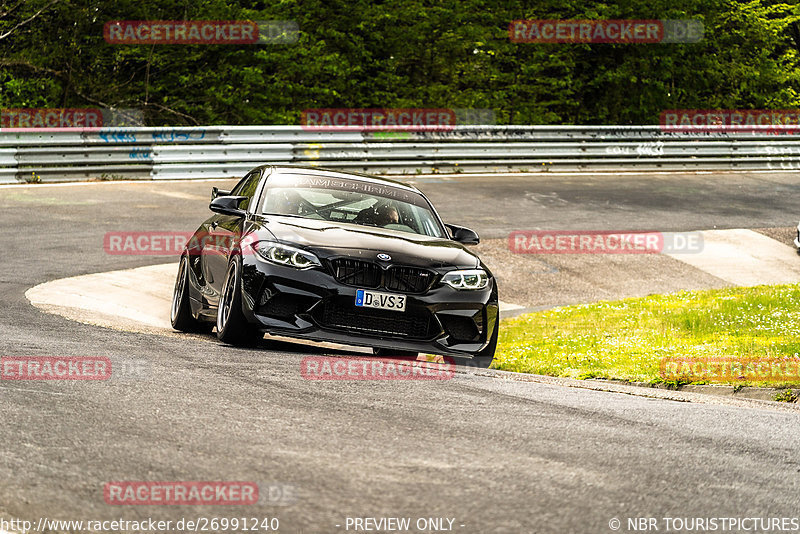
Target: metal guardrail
230, 151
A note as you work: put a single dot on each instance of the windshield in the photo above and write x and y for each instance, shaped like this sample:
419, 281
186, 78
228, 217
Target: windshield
350, 201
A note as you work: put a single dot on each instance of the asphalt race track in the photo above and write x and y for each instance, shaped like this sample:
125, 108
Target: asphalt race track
492, 455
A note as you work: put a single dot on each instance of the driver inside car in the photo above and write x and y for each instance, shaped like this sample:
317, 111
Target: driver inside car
386, 215
286, 203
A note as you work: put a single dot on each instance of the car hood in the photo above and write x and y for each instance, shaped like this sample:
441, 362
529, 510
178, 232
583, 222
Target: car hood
342, 239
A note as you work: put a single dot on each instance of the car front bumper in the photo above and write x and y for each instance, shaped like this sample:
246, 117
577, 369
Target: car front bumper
797, 238
312, 304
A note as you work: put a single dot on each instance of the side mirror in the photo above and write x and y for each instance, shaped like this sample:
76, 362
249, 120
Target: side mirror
227, 206
217, 192
463, 235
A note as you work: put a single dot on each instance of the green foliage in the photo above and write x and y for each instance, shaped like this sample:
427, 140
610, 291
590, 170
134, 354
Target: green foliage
632, 339
787, 395
404, 53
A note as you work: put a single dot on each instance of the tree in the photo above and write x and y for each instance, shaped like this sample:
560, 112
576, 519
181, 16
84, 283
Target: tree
400, 53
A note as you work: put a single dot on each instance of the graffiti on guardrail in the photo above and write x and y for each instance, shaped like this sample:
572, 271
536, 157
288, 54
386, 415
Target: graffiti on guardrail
316, 151
651, 148
141, 153
538, 133
655, 148
783, 165
780, 150
178, 135
496, 148
781, 157
118, 136
662, 133
175, 135
439, 134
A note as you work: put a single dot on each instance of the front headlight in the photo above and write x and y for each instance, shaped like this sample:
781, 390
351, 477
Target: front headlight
281, 254
467, 279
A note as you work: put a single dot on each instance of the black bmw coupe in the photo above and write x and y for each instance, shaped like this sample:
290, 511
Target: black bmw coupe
336, 256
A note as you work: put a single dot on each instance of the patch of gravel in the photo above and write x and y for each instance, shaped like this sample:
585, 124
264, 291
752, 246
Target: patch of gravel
784, 234
547, 280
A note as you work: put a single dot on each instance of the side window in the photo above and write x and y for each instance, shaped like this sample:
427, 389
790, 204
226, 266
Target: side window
247, 188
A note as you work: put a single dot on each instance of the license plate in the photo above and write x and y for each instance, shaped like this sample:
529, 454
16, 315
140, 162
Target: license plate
381, 301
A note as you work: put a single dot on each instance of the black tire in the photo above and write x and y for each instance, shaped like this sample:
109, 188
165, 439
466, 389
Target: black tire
180, 314
386, 353
482, 359
232, 326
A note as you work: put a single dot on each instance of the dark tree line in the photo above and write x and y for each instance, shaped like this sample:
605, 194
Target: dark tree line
399, 53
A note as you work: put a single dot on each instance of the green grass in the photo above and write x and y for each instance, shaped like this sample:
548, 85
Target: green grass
627, 339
